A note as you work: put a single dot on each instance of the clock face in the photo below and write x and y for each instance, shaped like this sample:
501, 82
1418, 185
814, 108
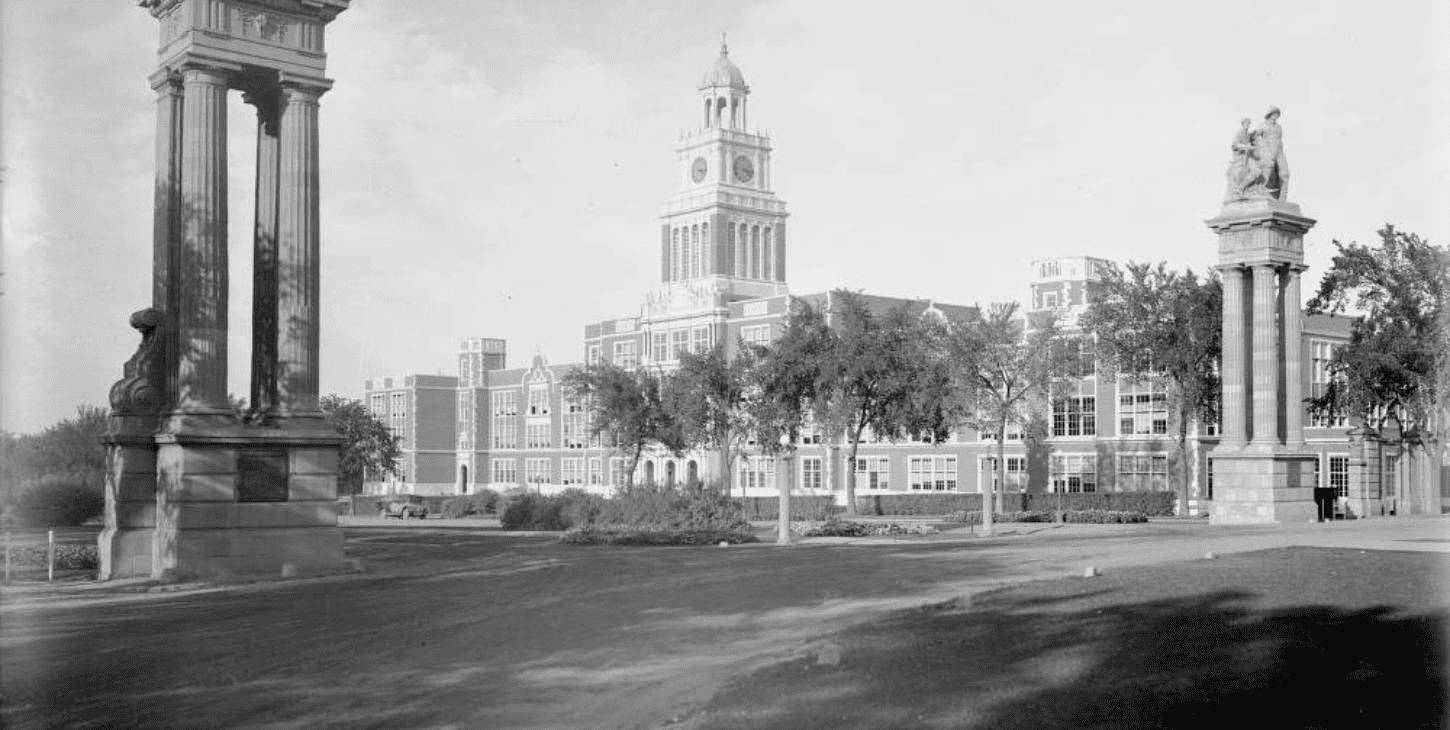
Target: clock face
744, 169
699, 169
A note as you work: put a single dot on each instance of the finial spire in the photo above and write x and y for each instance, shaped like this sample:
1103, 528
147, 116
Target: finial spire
724, 48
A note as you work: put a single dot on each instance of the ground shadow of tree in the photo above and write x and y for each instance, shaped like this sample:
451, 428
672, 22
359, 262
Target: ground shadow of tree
1203, 661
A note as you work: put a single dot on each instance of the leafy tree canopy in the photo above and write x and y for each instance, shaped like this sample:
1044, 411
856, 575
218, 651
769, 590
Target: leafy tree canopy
369, 447
626, 407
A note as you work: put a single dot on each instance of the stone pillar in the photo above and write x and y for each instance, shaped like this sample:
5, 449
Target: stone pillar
202, 326
264, 254
1266, 356
298, 253
166, 226
1293, 352
1235, 393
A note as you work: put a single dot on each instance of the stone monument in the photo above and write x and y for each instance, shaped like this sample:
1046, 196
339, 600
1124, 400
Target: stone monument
1262, 470
194, 487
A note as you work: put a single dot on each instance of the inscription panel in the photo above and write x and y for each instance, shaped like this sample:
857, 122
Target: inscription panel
262, 475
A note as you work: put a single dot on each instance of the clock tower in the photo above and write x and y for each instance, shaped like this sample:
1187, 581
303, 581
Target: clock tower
724, 231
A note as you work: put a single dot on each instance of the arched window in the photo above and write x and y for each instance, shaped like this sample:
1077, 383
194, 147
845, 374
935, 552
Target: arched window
675, 255
704, 254
694, 251
669, 473
707, 112
720, 111
742, 251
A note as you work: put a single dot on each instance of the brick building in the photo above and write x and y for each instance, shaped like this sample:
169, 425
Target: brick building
723, 254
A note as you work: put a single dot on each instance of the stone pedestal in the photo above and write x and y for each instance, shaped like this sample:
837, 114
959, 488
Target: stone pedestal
193, 488
1262, 473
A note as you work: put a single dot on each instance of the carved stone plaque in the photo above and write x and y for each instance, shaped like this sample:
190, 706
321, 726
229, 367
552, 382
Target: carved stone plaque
262, 475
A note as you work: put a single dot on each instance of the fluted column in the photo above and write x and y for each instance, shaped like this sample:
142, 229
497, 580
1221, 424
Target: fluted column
166, 224
1235, 394
1293, 375
202, 315
1266, 356
264, 252
298, 252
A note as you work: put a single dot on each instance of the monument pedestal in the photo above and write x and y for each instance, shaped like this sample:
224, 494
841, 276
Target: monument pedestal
1262, 486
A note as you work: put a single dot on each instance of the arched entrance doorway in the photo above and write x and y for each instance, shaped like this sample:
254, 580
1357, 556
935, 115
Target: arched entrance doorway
669, 473
692, 472
649, 473
463, 479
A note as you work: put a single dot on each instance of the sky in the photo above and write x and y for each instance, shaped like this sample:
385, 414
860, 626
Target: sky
497, 169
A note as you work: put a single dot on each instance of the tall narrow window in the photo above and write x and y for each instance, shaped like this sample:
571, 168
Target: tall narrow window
675, 255
685, 253
702, 254
742, 252
768, 267
731, 268
755, 252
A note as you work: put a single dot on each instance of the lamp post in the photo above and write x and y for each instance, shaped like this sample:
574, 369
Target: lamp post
782, 485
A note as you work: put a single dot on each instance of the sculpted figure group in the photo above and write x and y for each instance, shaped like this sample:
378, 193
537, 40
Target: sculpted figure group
1258, 168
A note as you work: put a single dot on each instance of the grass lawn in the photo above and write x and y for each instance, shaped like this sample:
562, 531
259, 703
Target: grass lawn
1293, 638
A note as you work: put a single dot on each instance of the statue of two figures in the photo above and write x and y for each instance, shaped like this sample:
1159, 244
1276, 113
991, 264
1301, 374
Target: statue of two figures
1258, 168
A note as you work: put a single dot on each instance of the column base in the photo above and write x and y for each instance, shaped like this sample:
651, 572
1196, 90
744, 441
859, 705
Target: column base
1263, 486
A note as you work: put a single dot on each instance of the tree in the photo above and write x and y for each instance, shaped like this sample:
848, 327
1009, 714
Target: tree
369, 446
874, 375
626, 405
1001, 371
1163, 327
706, 397
73, 446
1397, 360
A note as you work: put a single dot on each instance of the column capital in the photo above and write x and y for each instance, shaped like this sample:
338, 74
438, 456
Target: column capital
165, 82
197, 71
303, 88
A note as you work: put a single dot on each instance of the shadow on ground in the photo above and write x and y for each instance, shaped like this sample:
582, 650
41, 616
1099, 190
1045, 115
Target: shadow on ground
1312, 639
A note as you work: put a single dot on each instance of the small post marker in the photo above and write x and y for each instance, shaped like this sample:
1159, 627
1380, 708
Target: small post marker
1091, 572
1210, 556
50, 556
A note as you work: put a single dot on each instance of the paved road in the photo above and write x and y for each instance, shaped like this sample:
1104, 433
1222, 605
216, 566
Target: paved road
469, 627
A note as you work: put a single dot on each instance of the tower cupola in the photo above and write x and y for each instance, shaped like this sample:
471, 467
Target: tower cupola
723, 90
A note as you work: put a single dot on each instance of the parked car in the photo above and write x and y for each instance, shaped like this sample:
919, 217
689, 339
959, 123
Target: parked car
403, 506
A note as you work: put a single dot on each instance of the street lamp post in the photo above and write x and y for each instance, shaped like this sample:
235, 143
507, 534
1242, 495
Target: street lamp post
782, 484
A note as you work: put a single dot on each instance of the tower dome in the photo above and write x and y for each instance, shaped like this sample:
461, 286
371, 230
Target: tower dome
724, 72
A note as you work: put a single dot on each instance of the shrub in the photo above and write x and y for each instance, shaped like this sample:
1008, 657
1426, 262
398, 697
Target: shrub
56, 500
485, 502
802, 507
1104, 517
918, 504
975, 517
67, 557
1153, 504
632, 535
687, 507
534, 512
833, 528
456, 507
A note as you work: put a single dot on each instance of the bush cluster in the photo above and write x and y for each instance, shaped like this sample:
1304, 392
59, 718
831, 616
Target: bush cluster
529, 511
55, 500
659, 508
802, 507
1152, 504
478, 504
1104, 517
630, 535
67, 557
847, 528
918, 504
1100, 517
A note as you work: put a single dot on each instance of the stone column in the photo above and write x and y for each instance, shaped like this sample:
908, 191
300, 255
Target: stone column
1235, 394
298, 252
166, 225
1293, 351
202, 316
264, 253
1266, 356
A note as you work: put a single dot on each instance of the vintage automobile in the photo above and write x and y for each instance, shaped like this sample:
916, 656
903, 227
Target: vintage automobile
403, 506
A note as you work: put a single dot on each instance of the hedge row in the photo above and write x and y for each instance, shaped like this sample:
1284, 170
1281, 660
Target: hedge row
1099, 517
625, 535
54, 500
846, 528
802, 507
1152, 504
67, 557
484, 502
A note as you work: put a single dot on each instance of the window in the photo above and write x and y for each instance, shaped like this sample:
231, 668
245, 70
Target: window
537, 471
1074, 473
575, 424
505, 430
756, 334
1339, 475
536, 435
617, 471
505, 471
701, 342
538, 400
1049, 300
1074, 416
1014, 433
1142, 472
626, 354
592, 358
465, 420
1016, 473
659, 346
398, 414
379, 405
1208, 478
595, 477
757, 472
1321, 355
873, 472
675, 255
571, 471
1049, 269
1142, 409
1080, 357
934, 473
810, 431
810, 472
679, 343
